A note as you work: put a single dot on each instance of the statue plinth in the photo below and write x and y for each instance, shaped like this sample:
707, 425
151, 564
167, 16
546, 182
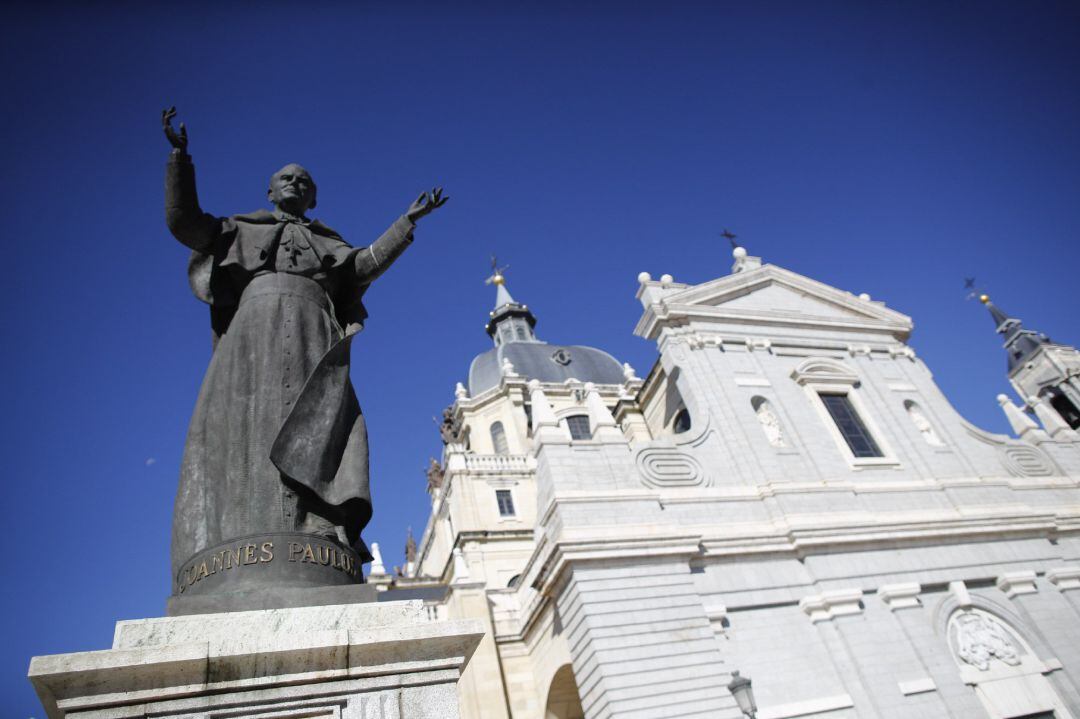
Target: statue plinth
382, 660
269, 571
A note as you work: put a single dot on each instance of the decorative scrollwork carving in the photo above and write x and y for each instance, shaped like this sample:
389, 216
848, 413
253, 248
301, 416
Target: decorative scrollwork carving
1025, 461
664, 467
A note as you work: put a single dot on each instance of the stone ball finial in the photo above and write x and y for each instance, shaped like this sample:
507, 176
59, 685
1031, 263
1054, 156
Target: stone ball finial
1002, 399
864, 297
739, 253
644, 277
666, 279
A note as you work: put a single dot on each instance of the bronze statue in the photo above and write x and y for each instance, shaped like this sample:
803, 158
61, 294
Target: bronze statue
277, 447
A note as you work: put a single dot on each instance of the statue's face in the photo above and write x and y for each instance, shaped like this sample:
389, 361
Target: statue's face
292, 190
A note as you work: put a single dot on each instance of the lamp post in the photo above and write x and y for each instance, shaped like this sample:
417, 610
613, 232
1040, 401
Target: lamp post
741, 689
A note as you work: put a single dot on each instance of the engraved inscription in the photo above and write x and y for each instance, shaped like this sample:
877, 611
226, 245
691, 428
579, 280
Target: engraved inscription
324, 555
225, 561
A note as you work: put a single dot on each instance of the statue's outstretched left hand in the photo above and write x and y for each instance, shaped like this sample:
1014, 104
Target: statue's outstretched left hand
426, 203
178, 140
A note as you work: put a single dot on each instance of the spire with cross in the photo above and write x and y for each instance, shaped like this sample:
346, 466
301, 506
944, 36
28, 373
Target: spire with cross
510, 321
502, 295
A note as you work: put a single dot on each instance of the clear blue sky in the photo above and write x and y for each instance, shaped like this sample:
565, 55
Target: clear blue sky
883, 148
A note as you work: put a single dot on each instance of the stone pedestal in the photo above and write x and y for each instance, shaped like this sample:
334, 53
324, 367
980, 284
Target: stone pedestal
353, 661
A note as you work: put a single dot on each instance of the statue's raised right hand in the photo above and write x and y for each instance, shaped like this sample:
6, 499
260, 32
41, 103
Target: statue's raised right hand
177, 140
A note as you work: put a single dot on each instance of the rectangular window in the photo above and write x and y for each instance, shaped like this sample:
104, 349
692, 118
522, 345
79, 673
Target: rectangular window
506, 502
850, 425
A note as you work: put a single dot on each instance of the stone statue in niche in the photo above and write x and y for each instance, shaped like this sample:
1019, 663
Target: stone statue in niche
923, 425
770, 423
276, 453
980, 637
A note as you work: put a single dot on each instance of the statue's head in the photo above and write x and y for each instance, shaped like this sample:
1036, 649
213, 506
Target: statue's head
292, 190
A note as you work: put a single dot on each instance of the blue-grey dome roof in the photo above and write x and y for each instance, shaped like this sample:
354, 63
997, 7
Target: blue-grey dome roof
544, 362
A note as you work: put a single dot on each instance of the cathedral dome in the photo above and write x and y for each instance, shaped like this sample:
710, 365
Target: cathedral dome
511, 328
544, 362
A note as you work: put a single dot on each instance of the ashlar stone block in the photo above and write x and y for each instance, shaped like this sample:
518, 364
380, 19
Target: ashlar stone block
357, 661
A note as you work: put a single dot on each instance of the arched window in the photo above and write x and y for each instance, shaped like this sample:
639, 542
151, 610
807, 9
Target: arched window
1064, 407
579, 426
681, 423
498, 438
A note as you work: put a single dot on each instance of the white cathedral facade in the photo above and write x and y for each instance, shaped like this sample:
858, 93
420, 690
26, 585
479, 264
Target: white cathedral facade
786, 494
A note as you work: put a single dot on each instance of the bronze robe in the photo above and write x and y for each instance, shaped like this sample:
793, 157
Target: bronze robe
277, 441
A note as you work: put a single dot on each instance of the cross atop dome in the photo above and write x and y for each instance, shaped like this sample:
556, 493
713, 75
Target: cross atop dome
497, 278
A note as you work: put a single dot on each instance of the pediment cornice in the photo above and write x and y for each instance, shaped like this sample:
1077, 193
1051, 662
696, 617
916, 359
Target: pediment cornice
707, 303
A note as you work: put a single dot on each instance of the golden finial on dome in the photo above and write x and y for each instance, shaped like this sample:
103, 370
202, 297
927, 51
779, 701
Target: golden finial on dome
985, 299
496, 278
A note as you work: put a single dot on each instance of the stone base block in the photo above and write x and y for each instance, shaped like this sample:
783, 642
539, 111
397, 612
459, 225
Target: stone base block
378, 660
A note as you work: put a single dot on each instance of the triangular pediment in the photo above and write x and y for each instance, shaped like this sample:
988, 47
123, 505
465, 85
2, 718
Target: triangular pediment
774, 289
772, 295
781, 297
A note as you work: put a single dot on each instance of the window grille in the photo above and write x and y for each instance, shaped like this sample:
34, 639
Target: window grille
579, 426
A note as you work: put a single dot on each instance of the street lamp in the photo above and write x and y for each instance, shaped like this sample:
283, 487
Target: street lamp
740, 688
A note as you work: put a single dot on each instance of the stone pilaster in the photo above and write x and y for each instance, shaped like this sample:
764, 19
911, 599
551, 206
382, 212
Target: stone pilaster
641, 642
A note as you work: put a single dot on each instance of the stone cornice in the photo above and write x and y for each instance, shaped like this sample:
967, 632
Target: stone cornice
857, 530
